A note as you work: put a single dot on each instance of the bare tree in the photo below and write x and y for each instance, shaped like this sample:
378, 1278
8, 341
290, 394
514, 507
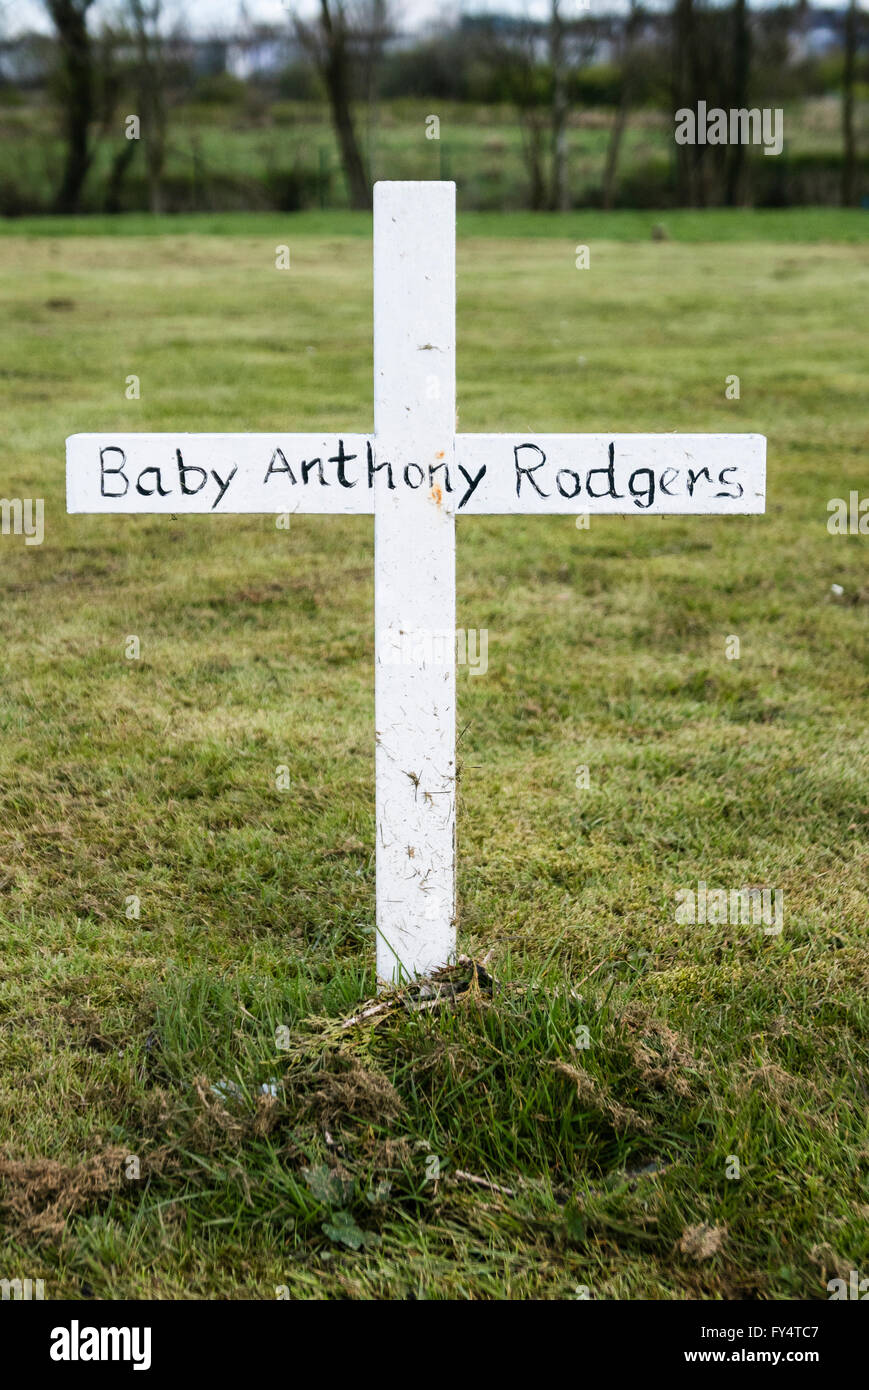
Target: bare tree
849, 138
151, 92
739, 79
374, 40
560, 195
513, 55
626, 93
110, 52
333, 41
689, 174
78, 94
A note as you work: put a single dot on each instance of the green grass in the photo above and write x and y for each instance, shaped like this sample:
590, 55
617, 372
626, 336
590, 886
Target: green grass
816, 224
156, 778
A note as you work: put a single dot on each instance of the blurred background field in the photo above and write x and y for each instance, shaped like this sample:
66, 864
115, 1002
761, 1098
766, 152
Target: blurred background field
548, 106
285, 157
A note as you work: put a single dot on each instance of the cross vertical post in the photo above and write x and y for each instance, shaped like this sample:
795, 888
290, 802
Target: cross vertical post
414, 576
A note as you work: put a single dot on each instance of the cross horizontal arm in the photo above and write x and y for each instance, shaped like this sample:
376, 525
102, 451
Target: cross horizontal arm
544, 474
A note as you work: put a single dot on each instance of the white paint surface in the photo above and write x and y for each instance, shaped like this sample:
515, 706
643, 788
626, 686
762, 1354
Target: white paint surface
665, 474
615, 474
265, 473
414, 575
436, 475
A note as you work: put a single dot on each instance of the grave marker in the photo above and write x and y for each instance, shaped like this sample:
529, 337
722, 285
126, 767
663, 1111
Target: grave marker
415, 474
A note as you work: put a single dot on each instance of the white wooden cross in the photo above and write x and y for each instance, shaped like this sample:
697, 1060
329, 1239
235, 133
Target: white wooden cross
415, 474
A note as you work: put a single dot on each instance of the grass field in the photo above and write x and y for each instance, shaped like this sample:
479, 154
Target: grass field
610, 1166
